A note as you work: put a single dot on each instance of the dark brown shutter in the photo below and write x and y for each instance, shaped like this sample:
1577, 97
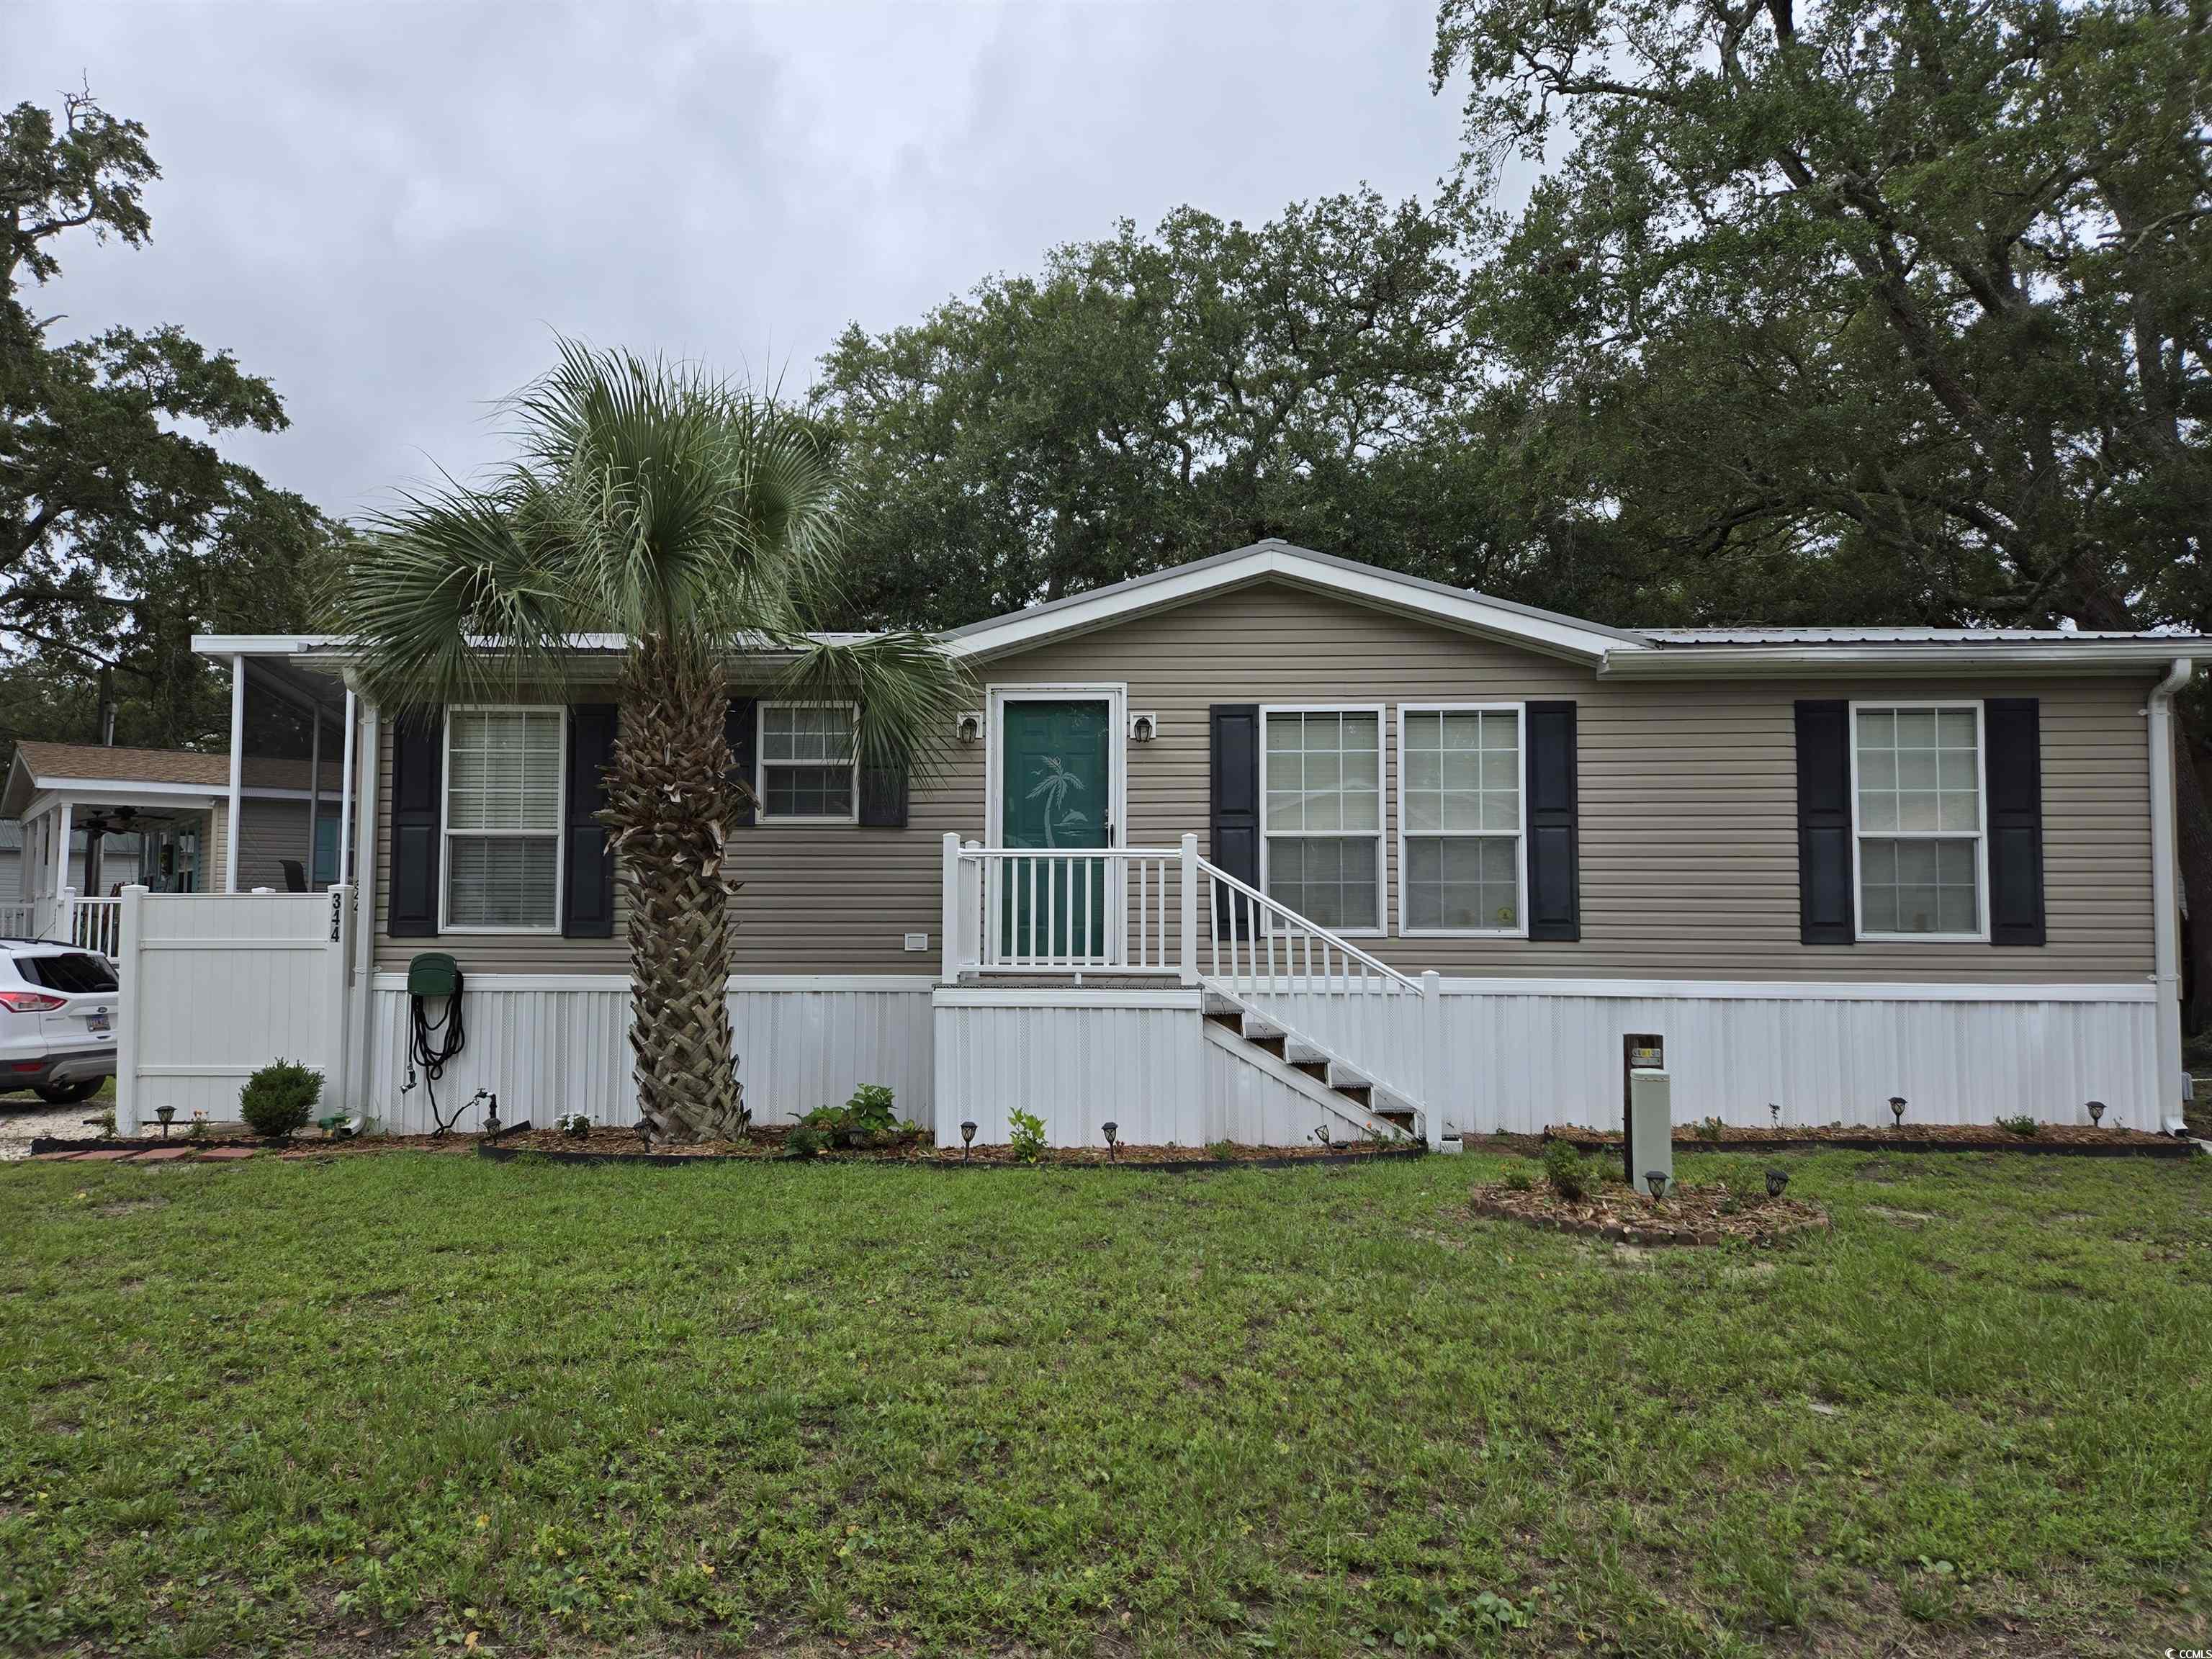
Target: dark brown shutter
739, 731
1824, 824
1554, 836
418, 741
882, 796
2012, 728
1233, 816
587, 901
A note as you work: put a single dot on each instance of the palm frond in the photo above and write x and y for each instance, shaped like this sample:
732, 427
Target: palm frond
906, 685
648, 499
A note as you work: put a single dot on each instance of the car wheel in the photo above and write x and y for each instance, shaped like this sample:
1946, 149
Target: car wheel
67, 1094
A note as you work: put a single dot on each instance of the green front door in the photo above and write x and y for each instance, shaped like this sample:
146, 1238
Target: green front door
1055, 791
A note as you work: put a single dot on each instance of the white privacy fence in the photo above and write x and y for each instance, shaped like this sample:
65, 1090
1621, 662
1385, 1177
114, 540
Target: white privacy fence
215, 986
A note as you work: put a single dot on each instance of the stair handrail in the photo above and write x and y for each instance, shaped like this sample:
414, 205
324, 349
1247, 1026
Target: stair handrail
1390, 976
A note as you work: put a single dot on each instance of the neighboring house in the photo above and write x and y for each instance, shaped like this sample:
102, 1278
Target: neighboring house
119, 852
160, 817
1448, 852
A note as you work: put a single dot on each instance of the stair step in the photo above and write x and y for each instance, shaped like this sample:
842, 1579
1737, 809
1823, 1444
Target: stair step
1317, 1070
1230, 1020
1402, 1120
1302, 1052
1359, 1093
1217, 1004
1273, 1045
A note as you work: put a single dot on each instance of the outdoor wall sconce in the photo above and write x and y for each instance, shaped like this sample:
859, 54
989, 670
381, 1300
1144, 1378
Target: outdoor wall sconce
1110, 1129
1143, 728
1776, 1180
2097, 1113
1656, 1180
967, 1137
168, 1115
1897, 1110
969, 727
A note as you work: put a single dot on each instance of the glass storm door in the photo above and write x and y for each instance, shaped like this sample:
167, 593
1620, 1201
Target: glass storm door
1055, 784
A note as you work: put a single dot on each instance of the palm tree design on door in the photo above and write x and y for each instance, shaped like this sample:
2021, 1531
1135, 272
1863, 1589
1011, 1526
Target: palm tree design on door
1054, 788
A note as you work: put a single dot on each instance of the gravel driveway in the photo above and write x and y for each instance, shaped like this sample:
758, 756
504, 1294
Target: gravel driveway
25, 1116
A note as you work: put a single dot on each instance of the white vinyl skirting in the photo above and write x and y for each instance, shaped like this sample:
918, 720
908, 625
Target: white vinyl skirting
213, 986
547, 1051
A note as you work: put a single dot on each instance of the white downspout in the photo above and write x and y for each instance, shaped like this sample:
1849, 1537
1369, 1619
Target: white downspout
237, 771
2166, 921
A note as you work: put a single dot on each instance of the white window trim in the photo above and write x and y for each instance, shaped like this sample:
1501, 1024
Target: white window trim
1520, 713
761, 764
1380, 836
446, 832
1979, 835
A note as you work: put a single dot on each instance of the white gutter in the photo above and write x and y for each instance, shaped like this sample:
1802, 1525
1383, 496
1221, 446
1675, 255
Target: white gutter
1933, 658
2165, 925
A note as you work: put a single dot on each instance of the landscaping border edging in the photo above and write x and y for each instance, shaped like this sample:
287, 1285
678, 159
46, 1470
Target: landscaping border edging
1875, 1143
1620, 1232
1327, 1160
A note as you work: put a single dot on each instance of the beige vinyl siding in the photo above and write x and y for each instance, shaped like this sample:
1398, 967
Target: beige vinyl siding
1688, 810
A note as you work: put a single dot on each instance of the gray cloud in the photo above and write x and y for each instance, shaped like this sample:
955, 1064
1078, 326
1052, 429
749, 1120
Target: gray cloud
387, 209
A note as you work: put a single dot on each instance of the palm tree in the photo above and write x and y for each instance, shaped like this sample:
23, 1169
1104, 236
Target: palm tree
697, 521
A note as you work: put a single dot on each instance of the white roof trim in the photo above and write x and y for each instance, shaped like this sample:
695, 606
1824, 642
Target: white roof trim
2140, 653
1385, 590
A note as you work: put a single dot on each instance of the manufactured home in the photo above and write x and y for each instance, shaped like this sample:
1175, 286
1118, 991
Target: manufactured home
1269, 846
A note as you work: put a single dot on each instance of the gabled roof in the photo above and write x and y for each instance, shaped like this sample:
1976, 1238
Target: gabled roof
1547, 631
39, 767
1642, 653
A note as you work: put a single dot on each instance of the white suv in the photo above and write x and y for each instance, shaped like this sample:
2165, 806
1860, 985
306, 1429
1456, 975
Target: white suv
57, 1020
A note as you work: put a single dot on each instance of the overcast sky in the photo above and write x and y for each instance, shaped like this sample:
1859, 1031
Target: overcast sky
387, 209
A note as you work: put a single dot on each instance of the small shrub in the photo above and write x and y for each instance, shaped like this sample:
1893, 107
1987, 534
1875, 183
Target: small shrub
1221, 1150
2023, 1126
1567, 1170
575, 1125
1709, 1130
279, 1100
864, 1119
1027, 1136
1518, 1178
805, 1140
200, 1128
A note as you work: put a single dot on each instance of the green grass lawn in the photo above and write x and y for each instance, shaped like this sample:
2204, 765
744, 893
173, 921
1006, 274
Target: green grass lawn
386, 1403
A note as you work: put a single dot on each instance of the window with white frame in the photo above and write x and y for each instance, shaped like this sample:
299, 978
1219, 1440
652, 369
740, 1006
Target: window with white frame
1322, 814
807, 762
1916, 808
1460, 820
502, 818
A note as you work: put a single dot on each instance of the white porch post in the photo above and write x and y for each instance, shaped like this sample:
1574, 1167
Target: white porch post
314, 796
60, 884
360, 1078
237, 771
949, 912
345, 798
1187, 944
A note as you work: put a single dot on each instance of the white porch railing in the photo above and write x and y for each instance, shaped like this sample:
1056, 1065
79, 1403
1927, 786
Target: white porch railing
93, 924
17, 919
1101, 911
1074, 910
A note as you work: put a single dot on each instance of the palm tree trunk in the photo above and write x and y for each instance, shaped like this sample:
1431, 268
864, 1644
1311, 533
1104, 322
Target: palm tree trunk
669, 796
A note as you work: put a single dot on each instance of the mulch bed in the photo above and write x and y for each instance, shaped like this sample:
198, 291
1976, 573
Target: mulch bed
2058, 1140
605, 1144
1690, 1215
